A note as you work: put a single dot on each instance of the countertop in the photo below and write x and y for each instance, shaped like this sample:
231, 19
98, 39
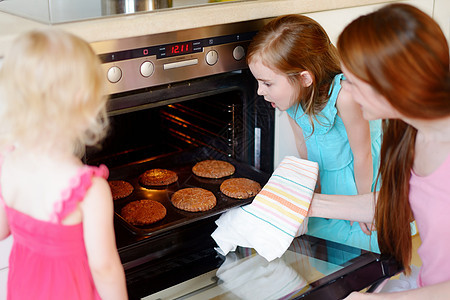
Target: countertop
158, 21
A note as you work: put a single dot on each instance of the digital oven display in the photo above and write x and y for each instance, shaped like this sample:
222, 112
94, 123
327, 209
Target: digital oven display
179, 49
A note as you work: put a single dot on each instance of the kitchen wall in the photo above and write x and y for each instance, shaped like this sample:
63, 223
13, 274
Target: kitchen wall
441, 14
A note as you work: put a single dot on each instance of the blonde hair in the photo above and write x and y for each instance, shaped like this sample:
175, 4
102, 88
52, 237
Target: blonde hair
52, 91
295, 43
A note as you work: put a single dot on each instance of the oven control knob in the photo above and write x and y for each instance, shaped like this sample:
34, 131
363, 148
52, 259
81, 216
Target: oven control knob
212, 57
147, 68
238, 52
114, 74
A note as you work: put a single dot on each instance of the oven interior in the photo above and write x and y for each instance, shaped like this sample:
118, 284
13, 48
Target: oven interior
221, 113
173, 127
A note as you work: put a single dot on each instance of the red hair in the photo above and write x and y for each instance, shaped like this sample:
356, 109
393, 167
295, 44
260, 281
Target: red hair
295, 43
403, 54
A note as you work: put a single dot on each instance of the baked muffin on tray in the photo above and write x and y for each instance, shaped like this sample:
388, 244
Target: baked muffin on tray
143, 212
240, 188
120, 189
158, 177
193, 199
213, 168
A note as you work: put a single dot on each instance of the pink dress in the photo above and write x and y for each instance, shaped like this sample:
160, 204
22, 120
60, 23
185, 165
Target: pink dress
48, 260
430, 202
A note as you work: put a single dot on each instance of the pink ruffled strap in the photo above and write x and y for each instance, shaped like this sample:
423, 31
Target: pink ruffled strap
77, 190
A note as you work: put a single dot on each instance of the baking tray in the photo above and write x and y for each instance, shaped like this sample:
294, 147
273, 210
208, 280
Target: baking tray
182, 164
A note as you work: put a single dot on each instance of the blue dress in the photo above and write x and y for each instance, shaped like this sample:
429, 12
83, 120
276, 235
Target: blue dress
328, 145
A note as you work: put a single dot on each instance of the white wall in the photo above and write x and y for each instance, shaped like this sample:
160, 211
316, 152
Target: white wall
441, 14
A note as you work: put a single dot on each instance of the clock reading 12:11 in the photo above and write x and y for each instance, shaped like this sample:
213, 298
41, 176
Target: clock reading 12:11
177, 49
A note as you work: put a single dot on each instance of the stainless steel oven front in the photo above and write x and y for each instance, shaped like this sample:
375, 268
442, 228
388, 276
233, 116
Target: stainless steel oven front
175, 99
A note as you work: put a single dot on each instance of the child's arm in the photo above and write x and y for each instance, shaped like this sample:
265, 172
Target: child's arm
299, 139
358, 208
99, 237
301, 145
358, 132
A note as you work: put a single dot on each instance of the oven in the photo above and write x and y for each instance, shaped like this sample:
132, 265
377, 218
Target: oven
178, 98
175, 99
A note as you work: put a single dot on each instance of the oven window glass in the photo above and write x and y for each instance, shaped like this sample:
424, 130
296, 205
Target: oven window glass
217, 122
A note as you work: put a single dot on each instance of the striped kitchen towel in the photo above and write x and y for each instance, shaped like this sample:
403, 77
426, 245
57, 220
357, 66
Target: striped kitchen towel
273, 219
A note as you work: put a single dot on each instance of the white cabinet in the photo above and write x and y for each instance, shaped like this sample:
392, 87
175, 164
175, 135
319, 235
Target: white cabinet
5, 249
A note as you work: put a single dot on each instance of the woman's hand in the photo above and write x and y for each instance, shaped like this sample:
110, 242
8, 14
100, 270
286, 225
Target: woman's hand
367, 228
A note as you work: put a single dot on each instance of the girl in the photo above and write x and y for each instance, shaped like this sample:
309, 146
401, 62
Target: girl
397, 64
298, 71
59, 211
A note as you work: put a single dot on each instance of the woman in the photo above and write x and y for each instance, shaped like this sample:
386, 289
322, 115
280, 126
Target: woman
396, 61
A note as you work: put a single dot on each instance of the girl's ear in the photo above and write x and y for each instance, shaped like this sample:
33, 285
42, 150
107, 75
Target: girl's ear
306, 78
